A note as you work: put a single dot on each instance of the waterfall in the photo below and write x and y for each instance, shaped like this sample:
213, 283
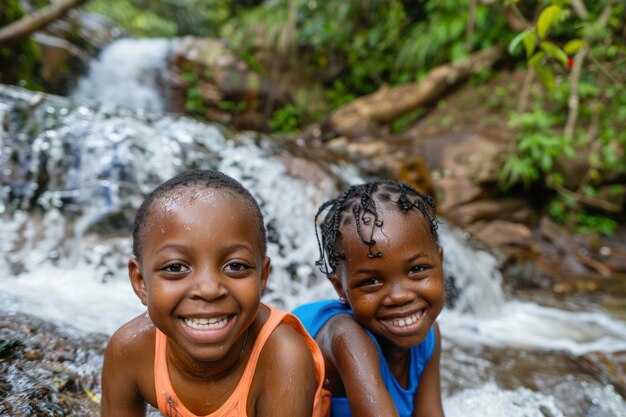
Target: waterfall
130, 73
74, 172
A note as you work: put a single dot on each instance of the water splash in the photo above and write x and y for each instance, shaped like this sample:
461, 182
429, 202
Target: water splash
490, 401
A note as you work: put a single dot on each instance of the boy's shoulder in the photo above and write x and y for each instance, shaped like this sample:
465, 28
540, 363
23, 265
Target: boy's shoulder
286, 348
288, 337
133, 339
286, 362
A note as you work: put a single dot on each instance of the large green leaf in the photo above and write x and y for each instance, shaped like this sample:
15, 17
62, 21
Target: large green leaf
548, 16
573, 46
554, 51
516, 41
545, 76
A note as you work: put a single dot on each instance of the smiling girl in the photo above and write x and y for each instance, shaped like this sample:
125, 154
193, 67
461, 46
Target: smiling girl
380, 340
207, 346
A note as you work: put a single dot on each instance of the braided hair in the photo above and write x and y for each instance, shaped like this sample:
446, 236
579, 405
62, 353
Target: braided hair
359, 202
208, 179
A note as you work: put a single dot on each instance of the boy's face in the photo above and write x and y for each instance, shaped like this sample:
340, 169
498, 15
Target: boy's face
203, 270
398, 295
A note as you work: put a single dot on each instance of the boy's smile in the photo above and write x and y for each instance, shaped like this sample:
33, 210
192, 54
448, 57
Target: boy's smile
399, 294
202, 273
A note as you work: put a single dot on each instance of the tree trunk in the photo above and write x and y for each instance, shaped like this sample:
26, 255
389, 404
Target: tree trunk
21, 29
386, 104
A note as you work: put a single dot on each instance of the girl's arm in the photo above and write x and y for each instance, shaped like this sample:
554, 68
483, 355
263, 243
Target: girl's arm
354, 355
284, 384
120, 394
428, 396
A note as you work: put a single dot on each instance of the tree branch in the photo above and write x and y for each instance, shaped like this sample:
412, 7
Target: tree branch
386, 104
21, 29
588, 200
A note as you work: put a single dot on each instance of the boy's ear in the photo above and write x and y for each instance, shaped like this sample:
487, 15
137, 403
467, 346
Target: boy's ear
137, 281
337, 284
265, 273
440, 250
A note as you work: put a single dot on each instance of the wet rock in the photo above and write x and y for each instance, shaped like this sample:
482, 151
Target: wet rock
500, 233
463, 155
228, 90
610, 367
46, 370
512, 210
58, 56
569, 379
454, 192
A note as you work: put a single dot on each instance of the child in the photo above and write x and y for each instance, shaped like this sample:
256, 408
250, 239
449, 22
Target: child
207, 346
380, 341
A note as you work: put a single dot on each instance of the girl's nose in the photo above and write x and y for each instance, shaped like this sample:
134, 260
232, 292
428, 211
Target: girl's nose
208, 286
399, 294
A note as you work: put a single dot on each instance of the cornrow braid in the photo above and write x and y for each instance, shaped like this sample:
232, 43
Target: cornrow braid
360, 201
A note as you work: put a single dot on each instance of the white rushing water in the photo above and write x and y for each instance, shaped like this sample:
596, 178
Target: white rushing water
80, 280
128, 74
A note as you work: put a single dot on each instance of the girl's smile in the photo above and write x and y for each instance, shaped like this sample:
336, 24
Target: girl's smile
405, 324
398, 293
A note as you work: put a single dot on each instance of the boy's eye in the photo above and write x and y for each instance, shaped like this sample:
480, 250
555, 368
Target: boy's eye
236, 266
176, 267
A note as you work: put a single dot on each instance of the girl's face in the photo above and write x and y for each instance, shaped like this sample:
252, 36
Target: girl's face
202, 273
399, 295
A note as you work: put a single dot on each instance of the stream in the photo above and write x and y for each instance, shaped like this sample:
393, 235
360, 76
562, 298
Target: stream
74, 170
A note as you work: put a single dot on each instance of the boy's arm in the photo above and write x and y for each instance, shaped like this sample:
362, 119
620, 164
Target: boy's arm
355, 356
120, 394
284, 382
428, 396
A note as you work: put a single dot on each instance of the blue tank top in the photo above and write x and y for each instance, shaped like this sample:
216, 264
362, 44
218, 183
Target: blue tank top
315, 315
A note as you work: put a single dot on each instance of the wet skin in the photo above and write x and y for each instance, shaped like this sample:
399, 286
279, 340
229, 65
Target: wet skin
201, 275
398, 295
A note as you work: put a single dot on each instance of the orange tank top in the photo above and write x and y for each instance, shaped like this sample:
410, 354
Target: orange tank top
236, 404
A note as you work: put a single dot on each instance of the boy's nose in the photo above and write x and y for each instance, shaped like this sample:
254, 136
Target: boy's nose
208, 286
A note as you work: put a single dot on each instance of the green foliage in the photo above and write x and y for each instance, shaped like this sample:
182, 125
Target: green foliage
360, 36
165, 18
357, 46
537, 148
441, 36
234, 107
194, 102
286, 119
339, 95
566, 212
580, 59
19, 63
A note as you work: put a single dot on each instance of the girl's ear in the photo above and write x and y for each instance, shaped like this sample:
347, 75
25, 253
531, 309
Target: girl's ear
137, 281
337, 284
440, 250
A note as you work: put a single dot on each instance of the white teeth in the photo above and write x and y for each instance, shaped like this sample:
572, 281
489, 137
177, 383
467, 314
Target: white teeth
409, 320
202, 323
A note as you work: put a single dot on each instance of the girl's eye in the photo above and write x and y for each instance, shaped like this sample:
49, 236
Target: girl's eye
417, 269
176, 267
368, 282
